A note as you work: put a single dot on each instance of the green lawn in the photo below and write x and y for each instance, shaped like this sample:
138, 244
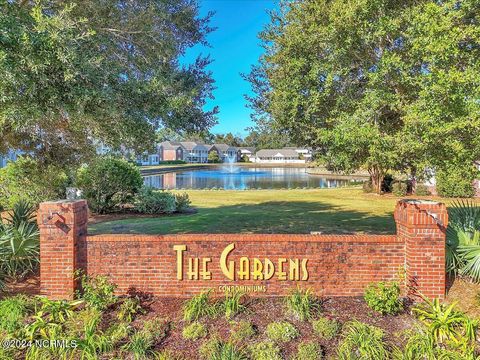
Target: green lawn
269, 211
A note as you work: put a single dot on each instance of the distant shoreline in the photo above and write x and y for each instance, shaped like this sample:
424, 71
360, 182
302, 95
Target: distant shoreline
320, 171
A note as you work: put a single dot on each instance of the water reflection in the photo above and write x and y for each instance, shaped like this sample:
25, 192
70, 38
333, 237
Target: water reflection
246, 178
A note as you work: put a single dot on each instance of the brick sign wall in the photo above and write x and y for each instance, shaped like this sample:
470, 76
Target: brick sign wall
266, 264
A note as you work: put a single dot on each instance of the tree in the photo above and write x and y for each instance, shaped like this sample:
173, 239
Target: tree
213, 157
381, 85
229, 139
166, 134
107, 71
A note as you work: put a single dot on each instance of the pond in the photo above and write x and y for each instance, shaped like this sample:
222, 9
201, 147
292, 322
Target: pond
244, 178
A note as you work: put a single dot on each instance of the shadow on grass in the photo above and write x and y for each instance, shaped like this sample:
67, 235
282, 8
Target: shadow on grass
266, 217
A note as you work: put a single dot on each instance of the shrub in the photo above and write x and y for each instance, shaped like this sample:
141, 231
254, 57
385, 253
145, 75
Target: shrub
198, 306
150, 201
422, 190
194, 331
308, 351
302, 304
265, 350
167, 355
362, 341
19, 242
93, 340
456, 181
367, 186
129, 308
241, 331
27, 180
281, 331
387, 183
421, 345
384, 298
182, 202
232, 304
57, 311
97, 292
12, 312
216, 349
107, 183
245, 159
75, 325
142, 342
399, 188
444, 323
208, 348
326, 328
49, 318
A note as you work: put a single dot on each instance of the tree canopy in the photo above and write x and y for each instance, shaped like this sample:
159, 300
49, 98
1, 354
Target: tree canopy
375, 84
109, 71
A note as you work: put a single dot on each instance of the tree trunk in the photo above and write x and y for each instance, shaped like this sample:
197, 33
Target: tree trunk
376, 176
414, 180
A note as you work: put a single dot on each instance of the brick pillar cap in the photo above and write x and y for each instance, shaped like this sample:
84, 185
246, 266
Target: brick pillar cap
420, 201
56, 202
421, 213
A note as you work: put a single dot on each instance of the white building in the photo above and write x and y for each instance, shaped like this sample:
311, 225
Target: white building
225, 152
303, 152
249, 152
194, 152
147, 159
278, 156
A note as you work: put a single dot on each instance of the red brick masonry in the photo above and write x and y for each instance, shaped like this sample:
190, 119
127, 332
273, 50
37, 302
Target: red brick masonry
331, 265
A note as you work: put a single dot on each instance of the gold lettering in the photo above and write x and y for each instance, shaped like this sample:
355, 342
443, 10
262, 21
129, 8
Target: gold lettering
257, 269
282, 275
294, 270
244, 271
179, 249
304, 269
192, 272
269, 269
206, 275
228, 271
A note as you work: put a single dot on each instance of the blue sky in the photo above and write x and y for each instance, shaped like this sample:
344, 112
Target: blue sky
234, 48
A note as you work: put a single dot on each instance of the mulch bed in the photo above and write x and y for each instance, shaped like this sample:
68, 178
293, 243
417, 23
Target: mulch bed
262, 311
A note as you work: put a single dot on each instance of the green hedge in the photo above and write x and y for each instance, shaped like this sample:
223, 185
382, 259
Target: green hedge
107, 183
27, 180
456, 181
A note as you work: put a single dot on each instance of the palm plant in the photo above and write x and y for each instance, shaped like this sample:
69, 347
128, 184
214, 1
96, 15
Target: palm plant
463, 239
19, 242
445, 324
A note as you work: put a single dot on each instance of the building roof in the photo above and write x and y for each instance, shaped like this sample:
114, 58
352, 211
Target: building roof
247, 149
170, 145
277, 152
222, 147
190, 145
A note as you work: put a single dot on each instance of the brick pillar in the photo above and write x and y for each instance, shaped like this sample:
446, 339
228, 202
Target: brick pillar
63, 226
422, 225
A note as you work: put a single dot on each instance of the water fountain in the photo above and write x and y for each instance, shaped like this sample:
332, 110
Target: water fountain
231, 166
